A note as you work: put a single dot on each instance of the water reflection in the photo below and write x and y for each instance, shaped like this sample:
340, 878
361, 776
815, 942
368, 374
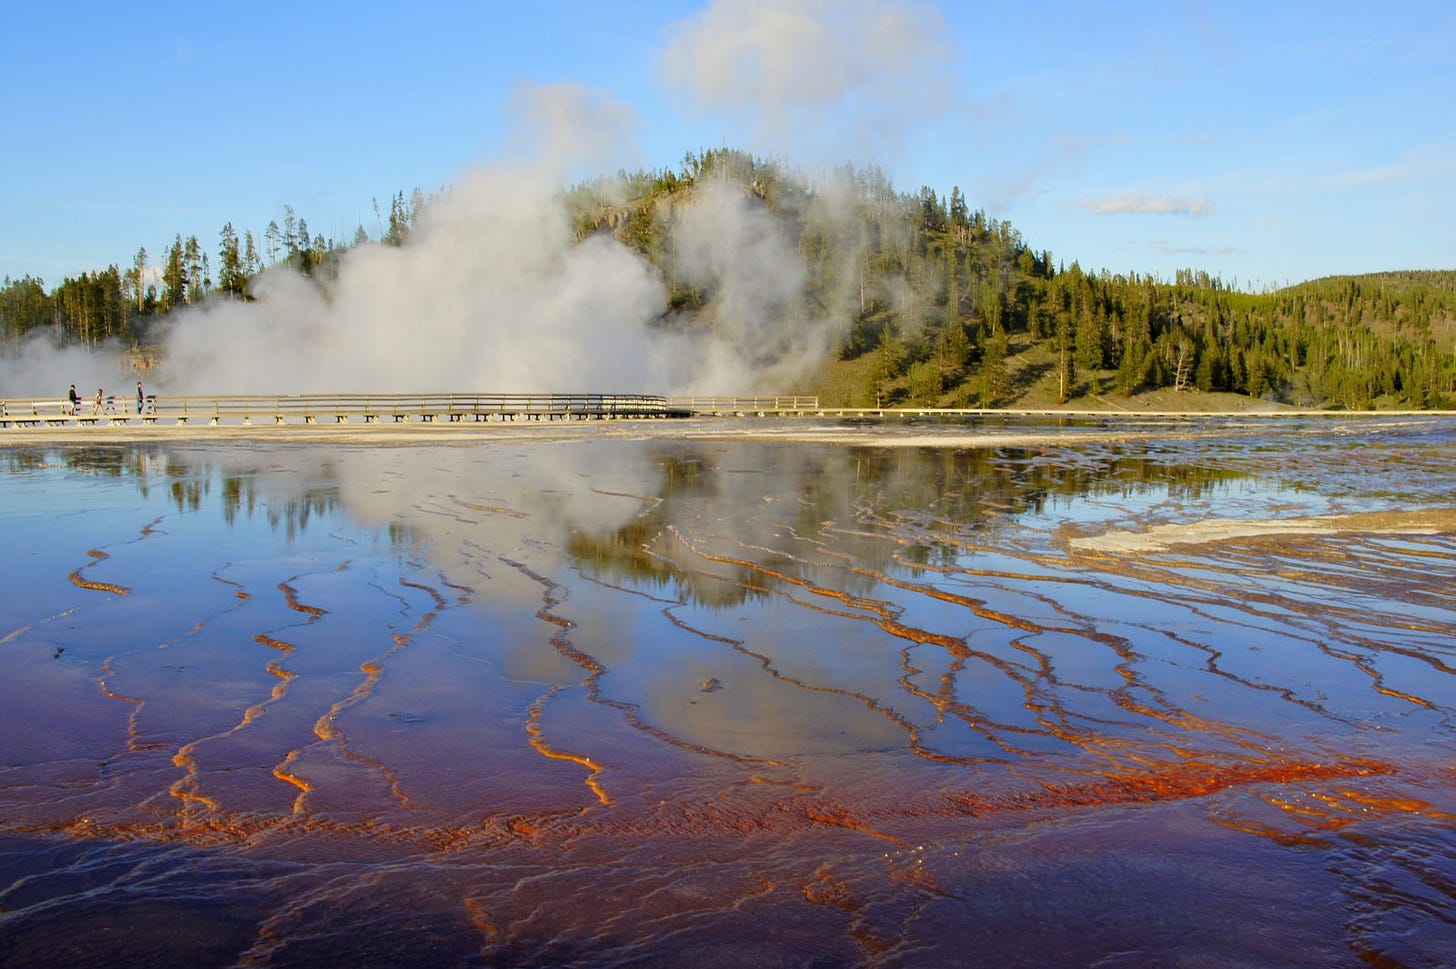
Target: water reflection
760, 699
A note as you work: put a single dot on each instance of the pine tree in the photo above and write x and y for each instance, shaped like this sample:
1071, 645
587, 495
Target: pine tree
230, 275
174, 278
1066, 366
398, 221
25, 306
136, 277
290, 232
995, 376
192, 259
251, 265
1089, 339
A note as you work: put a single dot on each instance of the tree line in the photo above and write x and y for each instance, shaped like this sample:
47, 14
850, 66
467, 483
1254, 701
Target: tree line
938, 304
122, 303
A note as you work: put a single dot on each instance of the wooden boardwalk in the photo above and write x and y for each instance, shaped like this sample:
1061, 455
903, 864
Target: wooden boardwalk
277, 409
251, 410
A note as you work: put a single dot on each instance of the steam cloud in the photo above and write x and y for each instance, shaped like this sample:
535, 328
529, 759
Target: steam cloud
493, 292
815, 77
490, 292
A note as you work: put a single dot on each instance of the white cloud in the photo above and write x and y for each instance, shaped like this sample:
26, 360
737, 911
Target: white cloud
802, 72
1134, 203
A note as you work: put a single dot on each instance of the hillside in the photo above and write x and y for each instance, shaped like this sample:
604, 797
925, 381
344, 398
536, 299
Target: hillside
1033, 385
939, 305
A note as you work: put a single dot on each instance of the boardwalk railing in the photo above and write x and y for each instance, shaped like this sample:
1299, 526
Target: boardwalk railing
247, 409
746, 405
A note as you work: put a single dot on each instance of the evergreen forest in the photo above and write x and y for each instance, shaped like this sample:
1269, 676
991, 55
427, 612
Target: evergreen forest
932, 303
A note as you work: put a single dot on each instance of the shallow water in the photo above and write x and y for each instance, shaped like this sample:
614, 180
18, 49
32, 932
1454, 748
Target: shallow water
781, 694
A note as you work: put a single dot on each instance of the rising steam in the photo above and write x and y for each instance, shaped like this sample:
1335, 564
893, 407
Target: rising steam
493, 291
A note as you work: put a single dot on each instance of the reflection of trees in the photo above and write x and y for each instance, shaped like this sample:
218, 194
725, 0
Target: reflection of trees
105, 461
626, 554
292, 516
238, 493
20, 461
243, 491
718, 523
109, 462
885, 507
186, 488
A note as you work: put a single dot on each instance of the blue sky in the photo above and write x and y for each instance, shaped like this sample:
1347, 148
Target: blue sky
1264, 142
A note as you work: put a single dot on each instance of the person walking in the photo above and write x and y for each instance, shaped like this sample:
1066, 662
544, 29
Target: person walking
96, 407
140, 397
75, 400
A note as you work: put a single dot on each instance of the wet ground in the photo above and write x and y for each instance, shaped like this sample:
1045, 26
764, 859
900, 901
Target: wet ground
1118, 693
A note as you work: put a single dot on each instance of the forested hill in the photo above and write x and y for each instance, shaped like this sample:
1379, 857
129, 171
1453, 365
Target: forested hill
942, 306
925, 301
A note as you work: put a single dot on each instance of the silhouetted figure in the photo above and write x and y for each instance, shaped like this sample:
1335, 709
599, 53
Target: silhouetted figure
141, 399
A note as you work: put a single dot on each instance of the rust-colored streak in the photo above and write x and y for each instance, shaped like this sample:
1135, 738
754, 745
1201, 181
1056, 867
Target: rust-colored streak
1042, 697
552, 597
870, 703
185, 787
1170, 783
1313, 817
1377, 679
239, 591
290, 597
1056, 717
477, 912
326, 727
97, 556
283, 772
542, 747
491, 509
885, 617
463, 593
263, 639
1299, 793
134, 742
916, 875
824, 889
440, 602
839, 816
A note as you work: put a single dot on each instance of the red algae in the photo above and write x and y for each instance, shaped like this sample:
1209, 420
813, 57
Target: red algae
1175, 782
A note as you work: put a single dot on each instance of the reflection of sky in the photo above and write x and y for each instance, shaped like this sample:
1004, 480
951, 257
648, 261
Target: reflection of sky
549, 649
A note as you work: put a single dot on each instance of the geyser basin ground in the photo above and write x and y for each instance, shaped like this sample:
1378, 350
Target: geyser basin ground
744, 693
